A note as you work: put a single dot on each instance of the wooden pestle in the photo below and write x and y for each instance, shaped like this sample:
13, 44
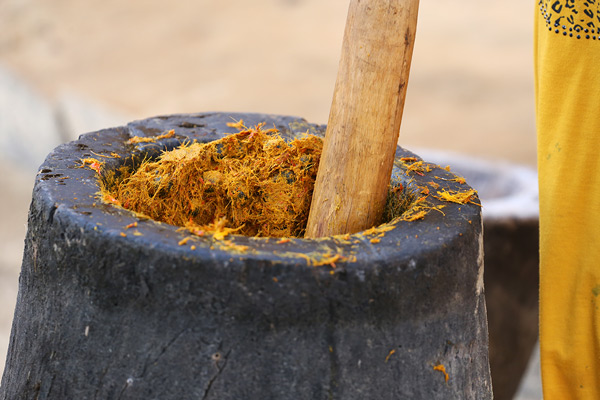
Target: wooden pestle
364, 120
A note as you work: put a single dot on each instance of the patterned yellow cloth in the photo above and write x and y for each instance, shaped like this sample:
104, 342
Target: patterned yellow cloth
567, 83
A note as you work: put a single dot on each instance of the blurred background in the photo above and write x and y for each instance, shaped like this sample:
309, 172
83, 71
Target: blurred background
68, 67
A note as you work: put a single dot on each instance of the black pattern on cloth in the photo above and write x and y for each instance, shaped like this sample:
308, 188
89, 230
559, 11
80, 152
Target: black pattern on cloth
577, 19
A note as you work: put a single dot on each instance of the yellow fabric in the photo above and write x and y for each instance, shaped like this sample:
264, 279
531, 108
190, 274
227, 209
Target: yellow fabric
567, 83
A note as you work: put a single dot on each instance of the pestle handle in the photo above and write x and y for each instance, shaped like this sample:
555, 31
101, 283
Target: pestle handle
364, 120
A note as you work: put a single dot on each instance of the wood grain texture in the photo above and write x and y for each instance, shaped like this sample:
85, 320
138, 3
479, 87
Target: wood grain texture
365, 116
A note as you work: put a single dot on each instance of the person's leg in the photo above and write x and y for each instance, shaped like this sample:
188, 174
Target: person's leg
567, 80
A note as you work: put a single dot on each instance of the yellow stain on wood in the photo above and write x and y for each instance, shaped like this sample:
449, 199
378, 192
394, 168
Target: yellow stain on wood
237, 125
413, 216
377, 230
322, 256
151, 139
183, 241
93, 164
457, 197
408, 159
434, 185
328, 260
230, 246
418, 167
442, 369
389, 355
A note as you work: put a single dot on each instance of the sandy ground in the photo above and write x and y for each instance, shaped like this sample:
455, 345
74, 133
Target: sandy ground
470, 91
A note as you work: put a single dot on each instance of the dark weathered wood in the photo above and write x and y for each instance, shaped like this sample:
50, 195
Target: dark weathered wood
102, 316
